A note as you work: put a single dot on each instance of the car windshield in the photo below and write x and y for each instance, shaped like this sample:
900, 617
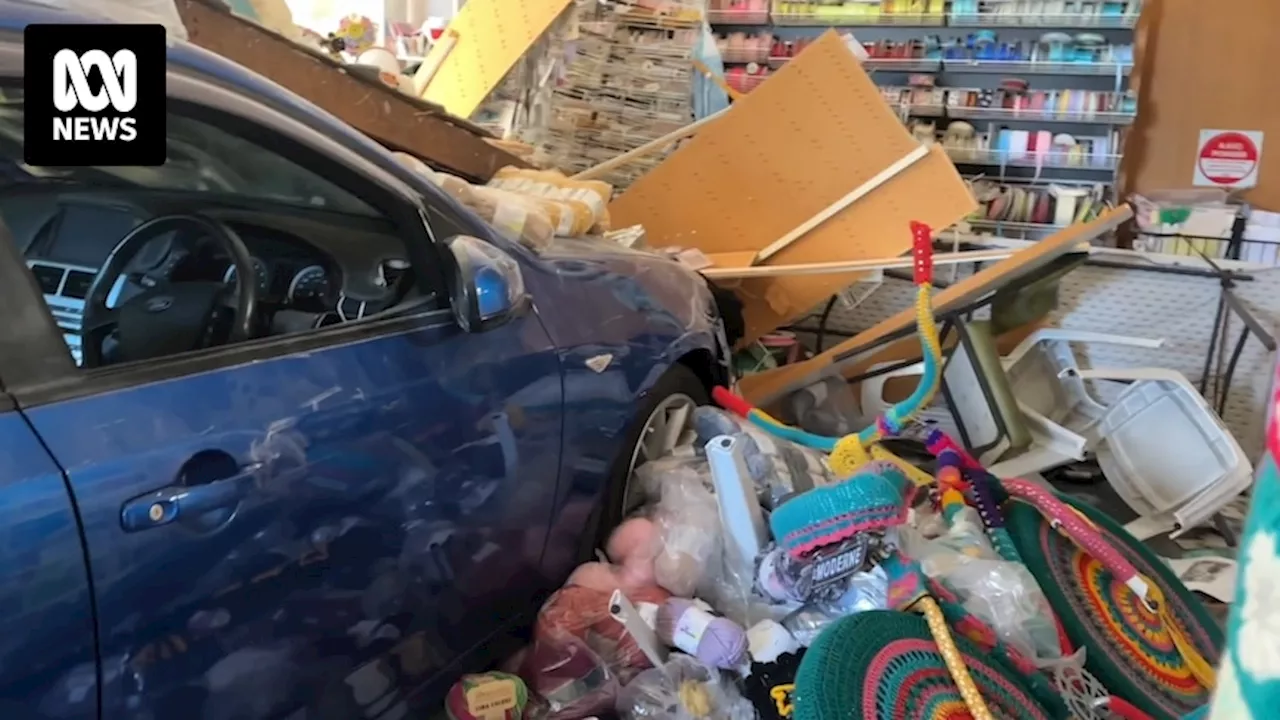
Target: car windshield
201, 158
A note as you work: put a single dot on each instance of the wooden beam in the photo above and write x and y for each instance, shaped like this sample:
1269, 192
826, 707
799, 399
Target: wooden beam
396, 120
763, 388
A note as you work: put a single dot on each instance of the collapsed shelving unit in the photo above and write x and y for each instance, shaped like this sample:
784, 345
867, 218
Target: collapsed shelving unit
1033, 97
626, 81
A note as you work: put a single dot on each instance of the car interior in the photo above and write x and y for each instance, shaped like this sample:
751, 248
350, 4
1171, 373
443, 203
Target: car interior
137, 263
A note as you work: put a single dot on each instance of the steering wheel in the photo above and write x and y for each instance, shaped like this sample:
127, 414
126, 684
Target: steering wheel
168, 318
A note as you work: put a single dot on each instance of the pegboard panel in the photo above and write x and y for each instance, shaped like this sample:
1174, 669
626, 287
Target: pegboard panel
492, 36
1178, 309
817, 129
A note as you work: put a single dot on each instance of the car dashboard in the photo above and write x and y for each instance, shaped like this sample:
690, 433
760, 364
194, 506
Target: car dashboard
308, 273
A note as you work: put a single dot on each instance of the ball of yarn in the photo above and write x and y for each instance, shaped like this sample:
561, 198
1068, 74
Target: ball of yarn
633, 546
479, 696
678, 572
714, 640
584, 613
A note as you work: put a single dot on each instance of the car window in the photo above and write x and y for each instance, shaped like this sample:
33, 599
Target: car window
202, 157
321, 253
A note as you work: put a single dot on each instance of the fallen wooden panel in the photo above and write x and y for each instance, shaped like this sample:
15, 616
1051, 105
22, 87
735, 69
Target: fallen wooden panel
812, 133
492, 36
391, 117
763, 388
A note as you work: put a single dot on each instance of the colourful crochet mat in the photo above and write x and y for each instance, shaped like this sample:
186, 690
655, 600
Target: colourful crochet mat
1127, 647
884, 665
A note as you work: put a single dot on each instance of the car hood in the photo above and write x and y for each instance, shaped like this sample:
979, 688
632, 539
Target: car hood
659, 279
603, 294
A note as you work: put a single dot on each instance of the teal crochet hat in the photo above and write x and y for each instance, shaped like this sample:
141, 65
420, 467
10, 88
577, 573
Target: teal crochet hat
884, 665
873, 499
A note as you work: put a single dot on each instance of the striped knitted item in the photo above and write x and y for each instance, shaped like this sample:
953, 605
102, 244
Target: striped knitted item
885, 665
870, 500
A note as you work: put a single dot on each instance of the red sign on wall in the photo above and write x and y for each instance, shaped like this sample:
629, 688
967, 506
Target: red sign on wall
1228, 158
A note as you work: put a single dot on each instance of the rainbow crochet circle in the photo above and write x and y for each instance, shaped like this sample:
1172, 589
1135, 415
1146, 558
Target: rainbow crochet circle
1128, 647
884, 665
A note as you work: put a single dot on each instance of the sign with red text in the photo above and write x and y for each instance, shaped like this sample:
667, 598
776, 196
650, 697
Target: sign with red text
1228, 159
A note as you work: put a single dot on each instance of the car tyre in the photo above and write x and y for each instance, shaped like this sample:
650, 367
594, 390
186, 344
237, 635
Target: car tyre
678, 387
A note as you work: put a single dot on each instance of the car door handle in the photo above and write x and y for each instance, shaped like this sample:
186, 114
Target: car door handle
175, 502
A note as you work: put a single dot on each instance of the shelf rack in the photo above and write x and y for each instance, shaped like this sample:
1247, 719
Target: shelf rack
1014, 23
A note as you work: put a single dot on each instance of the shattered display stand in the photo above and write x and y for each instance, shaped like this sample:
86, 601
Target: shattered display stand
627, 80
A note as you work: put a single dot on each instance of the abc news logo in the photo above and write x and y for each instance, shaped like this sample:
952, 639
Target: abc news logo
71, 92
95, 95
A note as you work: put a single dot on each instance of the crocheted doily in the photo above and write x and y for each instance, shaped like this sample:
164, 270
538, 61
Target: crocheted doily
1128, 648
884, 665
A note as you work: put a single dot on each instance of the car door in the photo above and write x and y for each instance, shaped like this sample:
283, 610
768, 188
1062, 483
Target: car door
360, 504
47, 662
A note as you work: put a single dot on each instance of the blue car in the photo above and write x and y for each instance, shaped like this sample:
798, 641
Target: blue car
287, 433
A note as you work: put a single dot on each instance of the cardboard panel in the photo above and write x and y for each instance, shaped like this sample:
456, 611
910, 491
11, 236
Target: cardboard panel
817, 129
764, 387
492, 36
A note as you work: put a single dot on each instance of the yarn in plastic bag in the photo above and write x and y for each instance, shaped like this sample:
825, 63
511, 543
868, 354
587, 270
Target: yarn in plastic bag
683, 689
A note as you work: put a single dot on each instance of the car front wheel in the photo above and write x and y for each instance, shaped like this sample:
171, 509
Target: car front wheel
663, 421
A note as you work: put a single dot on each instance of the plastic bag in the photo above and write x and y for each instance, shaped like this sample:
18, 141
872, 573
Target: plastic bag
868, 590
778, 467
670, 473
131, 12
827, 407
584, 613
519, 218
576, 207
684, 689
688, 521
571, 680
1002, 594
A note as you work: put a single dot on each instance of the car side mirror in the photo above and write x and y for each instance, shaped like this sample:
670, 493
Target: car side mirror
488, 288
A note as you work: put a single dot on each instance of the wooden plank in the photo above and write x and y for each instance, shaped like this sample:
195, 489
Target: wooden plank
764, 388
838, 206
653, 145
732, 260
724, 271
387, 115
